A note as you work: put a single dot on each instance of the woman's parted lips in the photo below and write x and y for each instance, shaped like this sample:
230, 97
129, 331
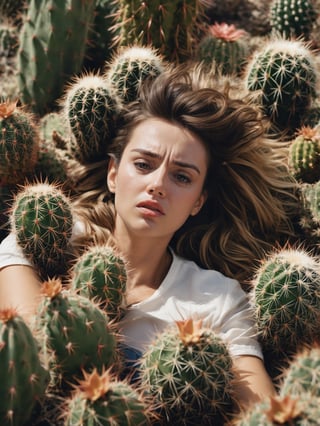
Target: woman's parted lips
151, 205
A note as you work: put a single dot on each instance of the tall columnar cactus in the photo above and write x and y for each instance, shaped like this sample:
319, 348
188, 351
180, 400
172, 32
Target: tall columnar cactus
310, 210
75, 331
304, 155
293, 18
223, 48
303, 374
283, 75
23, 378
90, 108
52, 48
100, 274
101, 399
286, 298
189, 372
42, 221
170, 26
18, 143
130, 67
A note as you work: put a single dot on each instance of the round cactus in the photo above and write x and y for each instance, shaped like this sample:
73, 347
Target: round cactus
100, 274
42, 221
23, 378
18, 144
189, 372
283, 75
130, 67
75, 330
223, 49
101, 399
90, 109
304, 155
293, 18
286, 298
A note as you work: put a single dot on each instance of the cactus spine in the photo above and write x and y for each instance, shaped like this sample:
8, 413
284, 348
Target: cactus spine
188, 370
100, 274
283, 75
23, 379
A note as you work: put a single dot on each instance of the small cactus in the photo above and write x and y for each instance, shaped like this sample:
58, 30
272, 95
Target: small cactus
189, 372
42, 221
100, 274
23, 378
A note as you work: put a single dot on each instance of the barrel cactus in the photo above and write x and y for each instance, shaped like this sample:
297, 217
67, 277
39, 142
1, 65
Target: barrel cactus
189, 372
23, 377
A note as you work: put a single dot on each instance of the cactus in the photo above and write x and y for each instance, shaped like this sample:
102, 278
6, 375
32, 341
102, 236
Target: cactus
42, 221
286, 298
101, 399
100, 274
310, 210
223, 49
170, 26
75, 330
9, 40
18, 143
23, 378
304, 155
293, 18
90, 109
189, 372
130, 67
52, 47
303, 373
283, 74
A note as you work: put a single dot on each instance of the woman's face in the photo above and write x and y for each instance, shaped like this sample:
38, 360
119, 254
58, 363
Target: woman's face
159, 180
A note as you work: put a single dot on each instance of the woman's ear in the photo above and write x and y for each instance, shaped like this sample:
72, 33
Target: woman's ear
112, 175
199, 203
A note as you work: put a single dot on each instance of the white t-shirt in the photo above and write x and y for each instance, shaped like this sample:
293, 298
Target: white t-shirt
186, 292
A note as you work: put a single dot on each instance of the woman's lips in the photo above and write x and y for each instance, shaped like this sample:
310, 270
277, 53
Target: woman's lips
152, 208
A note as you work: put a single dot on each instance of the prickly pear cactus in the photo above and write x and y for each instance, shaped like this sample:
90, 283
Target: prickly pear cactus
18, 143
101, 399
286, 299
189, 372
90, 108
130, 67
23, 378
293, 18
283, 75
42, 221
304, 155
52, 43
75, 330
223, 48
100, 274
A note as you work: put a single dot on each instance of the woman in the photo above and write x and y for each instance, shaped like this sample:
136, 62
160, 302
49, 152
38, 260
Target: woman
188, 196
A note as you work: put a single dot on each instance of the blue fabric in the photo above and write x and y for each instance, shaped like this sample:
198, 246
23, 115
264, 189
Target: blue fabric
131, 358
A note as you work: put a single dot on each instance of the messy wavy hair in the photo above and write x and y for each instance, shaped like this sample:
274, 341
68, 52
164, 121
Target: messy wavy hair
250, 192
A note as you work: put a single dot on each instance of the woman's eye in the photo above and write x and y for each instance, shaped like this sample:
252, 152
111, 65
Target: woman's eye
183, 178
142, 165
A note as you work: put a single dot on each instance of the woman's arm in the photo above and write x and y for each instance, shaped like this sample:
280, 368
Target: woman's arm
253, 384
19, 289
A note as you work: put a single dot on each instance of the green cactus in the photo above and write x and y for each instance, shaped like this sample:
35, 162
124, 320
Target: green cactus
52, 47
303, 374
222, 49
19, 142
286, 298
23, 378
310, 210
130, 67
101, 399
100, 274
293, 18
189, 372
42, 221
75, 331
304, 155
283, 75
90, 108
171, 26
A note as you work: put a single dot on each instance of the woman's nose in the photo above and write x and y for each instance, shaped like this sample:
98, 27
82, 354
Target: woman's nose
157, 185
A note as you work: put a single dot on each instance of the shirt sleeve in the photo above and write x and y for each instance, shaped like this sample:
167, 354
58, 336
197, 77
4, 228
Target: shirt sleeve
11, 253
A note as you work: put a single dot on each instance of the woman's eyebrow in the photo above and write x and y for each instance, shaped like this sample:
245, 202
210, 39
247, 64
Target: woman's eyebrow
155, 155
